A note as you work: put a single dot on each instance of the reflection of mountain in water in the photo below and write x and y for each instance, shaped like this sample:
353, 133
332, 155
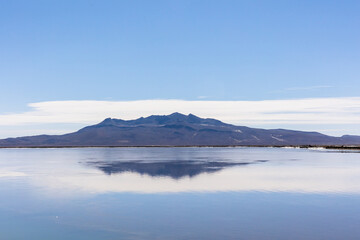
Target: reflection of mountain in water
173, 169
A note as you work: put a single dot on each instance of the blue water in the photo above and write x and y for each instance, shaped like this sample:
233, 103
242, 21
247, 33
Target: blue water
179, 193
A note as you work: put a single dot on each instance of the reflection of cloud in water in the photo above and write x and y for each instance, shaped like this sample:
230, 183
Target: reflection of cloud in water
289, 177
11, 174
70, 172
173, 169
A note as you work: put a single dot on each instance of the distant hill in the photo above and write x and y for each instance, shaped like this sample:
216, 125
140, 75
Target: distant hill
177, 130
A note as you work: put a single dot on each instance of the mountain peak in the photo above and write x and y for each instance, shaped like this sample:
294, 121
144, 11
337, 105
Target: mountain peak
153, 120
107, 121
177, 114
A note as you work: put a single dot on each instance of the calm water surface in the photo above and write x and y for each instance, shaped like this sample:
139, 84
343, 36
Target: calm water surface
179, 193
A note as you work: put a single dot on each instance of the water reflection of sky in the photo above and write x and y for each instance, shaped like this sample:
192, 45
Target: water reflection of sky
155, 170
185, 193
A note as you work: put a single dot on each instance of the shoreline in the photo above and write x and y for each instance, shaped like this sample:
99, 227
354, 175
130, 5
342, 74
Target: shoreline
334, 147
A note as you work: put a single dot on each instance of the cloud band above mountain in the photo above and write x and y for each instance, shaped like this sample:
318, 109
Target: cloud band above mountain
325, 111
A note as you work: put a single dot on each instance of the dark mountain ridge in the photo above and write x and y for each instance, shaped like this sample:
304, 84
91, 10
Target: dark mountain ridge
177, 130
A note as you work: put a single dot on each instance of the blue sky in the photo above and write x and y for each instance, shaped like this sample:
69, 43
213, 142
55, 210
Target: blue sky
188, 50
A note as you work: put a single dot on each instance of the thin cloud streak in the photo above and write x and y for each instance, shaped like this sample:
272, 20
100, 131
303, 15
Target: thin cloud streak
303, 89
299, 111
308, 88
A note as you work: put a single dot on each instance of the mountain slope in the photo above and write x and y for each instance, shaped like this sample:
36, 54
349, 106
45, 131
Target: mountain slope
177, 130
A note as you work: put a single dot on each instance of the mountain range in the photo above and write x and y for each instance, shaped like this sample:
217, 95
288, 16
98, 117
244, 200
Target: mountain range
177, 130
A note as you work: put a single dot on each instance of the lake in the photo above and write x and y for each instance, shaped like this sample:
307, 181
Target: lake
179, 193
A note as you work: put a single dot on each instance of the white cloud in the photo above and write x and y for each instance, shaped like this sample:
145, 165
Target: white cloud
329, 111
